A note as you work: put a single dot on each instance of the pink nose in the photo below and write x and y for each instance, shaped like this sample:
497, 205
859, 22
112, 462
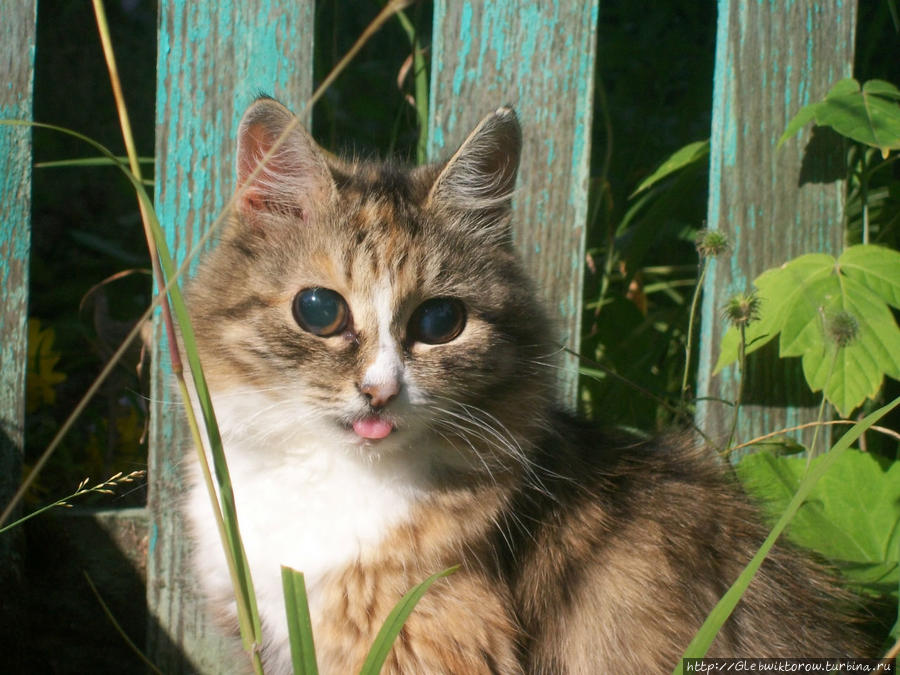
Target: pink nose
381, 393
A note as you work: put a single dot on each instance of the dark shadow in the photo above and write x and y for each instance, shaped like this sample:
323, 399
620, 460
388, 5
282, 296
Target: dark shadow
11, 553
65, 628
823, 158
773, 381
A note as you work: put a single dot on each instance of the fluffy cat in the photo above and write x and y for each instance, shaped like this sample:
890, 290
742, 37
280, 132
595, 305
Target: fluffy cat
377, 360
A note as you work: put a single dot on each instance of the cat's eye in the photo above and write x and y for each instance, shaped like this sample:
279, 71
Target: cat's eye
437, 321
321, 311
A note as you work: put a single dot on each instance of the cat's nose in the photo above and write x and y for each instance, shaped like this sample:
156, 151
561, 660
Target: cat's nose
381, 393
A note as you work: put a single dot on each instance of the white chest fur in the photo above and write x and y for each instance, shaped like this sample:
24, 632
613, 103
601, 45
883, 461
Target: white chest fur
305, 501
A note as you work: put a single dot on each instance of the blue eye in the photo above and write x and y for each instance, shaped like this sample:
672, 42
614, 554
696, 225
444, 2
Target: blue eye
321, 311
437, 321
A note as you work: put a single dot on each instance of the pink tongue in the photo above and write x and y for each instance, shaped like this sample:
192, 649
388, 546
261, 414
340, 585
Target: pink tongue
372, 427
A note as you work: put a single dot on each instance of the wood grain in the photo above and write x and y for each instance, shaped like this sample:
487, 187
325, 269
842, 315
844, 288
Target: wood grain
539, 58
213, 60
771, 59
17, 40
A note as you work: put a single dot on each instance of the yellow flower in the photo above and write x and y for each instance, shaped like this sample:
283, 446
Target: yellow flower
40, 377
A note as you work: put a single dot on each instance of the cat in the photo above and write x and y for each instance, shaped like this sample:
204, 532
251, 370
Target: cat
377, 358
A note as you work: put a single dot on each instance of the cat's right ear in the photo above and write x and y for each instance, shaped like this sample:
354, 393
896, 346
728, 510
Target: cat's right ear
479, 179
294, 179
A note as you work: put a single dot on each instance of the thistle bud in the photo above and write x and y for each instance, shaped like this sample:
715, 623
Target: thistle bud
842, 328
742, 309
711, 243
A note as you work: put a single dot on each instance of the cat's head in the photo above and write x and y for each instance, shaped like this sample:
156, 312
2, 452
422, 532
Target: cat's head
374, 308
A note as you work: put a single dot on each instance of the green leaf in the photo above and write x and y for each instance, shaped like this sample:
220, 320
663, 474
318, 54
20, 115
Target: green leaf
303, 652
723, 609
843, 87
806, 115
381, 647
877, 268
679, 159
867, 114
779, 289
852, 514
859, 368
799, 299
881, 88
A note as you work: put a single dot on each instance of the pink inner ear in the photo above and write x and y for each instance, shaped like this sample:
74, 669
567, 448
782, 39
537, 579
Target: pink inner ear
253, 145
295, 180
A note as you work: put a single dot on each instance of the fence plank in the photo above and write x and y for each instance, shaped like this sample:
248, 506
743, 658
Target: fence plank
17, 36
212, 61
538, 57
771, 59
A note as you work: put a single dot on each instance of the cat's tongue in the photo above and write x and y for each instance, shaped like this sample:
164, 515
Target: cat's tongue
372, 427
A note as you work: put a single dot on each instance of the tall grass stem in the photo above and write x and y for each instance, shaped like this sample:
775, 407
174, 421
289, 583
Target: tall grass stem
226, 520
688, 347
742, 369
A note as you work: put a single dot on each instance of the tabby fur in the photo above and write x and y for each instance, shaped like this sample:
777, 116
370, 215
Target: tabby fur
578, 551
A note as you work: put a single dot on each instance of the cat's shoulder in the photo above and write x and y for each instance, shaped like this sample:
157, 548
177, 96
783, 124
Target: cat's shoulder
588, 450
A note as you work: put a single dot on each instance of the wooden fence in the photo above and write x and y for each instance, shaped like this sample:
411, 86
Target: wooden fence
771, 58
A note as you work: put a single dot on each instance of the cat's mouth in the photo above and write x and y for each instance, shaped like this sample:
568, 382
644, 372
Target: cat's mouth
372, 427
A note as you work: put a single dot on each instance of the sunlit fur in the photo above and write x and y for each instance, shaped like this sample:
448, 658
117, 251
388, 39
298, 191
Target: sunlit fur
578, 553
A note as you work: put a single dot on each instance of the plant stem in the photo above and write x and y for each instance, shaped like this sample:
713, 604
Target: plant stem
864, 198
82, 490
135, 165
806, 425
821, 415
420, 78
690, 335
237, 564
23, 519
118, 626
742, 358
245, 617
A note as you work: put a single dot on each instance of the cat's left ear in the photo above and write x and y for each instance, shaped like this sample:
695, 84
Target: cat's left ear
479, 179
294, 179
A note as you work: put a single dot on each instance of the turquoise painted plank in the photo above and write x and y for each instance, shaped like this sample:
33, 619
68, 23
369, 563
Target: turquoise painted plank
771, 59
538, 57
17, 40
213, 60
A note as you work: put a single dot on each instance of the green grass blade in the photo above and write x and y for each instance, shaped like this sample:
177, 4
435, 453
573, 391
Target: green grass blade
381, 647
246, 597
226, 494
296, 604
692, 152
420, 78
89, 161
720, 613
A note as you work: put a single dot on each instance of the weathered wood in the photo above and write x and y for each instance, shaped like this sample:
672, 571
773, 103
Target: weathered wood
539, 58
771, 59
17, 39
213, 60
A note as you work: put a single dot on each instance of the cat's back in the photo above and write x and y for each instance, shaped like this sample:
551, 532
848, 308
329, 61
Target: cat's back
619, 548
